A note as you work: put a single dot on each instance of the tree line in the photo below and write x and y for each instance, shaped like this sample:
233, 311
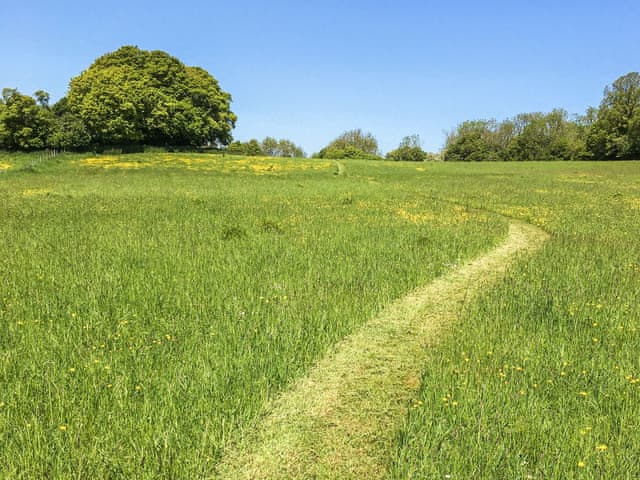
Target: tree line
268, 147
610, 132
137, 97
363, 145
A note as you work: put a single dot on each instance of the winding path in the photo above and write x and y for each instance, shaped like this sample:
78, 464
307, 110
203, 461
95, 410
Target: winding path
339, 421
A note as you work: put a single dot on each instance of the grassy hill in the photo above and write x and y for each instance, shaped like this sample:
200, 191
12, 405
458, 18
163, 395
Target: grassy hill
151, 304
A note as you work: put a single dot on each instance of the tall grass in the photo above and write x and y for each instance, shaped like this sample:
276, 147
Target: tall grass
541, 377
150, 305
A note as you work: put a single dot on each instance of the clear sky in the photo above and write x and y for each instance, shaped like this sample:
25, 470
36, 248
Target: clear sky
309, 70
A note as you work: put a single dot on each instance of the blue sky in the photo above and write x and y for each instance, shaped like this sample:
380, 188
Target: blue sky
310, 70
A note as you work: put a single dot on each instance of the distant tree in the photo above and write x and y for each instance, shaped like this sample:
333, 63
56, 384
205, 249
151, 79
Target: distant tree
543, 137
68, 131
525, 137
236, 148
137, 96
472, 141
24, 125
358, 139
253, 148
351, 144
615, 133
42, 98
281, 148
270, 147
409, 150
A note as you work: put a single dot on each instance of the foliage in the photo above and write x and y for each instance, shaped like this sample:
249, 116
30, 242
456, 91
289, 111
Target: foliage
69, 131
137, 96
615, 133
281, 148
251, 148
354, 144
24, 124
472, 141
526, 137
409, 150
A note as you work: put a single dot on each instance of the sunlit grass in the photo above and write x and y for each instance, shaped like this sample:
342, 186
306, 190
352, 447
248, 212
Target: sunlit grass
212, 163
148, 314
540, 377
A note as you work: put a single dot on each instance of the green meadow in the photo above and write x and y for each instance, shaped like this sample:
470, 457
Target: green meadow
152, 304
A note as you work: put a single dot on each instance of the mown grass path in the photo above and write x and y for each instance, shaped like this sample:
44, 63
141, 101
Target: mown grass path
340, 420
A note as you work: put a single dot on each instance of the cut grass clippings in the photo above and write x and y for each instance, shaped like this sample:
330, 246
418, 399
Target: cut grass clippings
339, 421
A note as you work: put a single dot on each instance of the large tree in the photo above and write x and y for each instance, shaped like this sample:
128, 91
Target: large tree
138, 96
615, 134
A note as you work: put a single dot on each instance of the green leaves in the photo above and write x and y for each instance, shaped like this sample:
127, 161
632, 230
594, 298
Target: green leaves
352, 144
137, 96
24, 124
616, 132
410, 150
525, 137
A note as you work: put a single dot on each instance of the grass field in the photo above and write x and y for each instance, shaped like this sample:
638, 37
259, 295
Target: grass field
148, 311
541, 377
151, 304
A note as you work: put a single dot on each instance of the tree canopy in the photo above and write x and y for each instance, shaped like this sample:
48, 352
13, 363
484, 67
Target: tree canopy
527, 136
351, 144
150, 97
615, 133
24, 124
269, 147
281, 148
409, 150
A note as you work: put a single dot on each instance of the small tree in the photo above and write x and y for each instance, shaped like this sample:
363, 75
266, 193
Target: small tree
281, 148
253, 148
410, 150
270, 147
24, 125
351, 144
